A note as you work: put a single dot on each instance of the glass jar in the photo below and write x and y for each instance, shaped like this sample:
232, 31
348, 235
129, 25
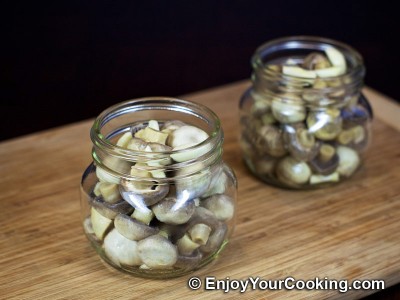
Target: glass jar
152, 210
304, 121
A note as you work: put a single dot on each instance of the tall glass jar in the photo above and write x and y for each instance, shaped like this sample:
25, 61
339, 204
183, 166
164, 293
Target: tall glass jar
150, 207
304, 121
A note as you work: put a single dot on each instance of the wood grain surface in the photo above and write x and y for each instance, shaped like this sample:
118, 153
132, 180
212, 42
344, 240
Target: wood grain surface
351, 231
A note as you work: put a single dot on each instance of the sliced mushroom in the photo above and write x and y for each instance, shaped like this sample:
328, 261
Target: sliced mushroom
189, 261
216, 239
152, 136
124, 140
139, 198
315, 61
111, 210
293, 172
133, 229
300, 143
100, 224
110, 192
120, 250
326, 161
221, 206
325, 124
172, 211
157, 252
349, 161
269, 139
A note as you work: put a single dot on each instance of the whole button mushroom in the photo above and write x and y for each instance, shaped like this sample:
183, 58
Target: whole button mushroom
326, 161
133, 229
288, 112
269, 139
172, 211
142, 197
157, 252
120, 250
292, 171
349, 161
220, 205
111, 210
325, 124
300, 143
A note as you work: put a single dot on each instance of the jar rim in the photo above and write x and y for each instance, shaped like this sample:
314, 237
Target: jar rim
162, 103
304, 42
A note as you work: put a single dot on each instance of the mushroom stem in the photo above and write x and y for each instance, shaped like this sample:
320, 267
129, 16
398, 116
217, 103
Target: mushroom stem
199, 233
186, 246
326, 152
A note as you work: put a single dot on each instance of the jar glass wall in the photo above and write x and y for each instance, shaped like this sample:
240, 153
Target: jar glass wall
304, 121
158, 201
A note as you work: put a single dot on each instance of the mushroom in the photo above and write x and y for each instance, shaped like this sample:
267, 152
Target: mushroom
137, 145
199, 233
100, 224
293, 172
221, 206
218, 181
349, 161
192, 185
300, 143
111, 210
157, 252
172, 125
150, 135
326, 161
316, 179
186, 246
356, 137
120, 250
124, 140
110, 168
269, 140
202, 215
355, 115
265, 165
143, 215
133, 229
216, 239
291, 111
325, 124
172, 211
109, 192
315, 61
140, 198
189, 261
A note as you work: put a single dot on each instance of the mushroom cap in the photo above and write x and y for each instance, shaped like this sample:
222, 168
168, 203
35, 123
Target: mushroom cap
186, 135
145, 197
133, 229
220, 205
120, 250
157, 252
172, 211
269, 139
292, 171
189, 261
111, 210
300, 143
349, 160
328, 165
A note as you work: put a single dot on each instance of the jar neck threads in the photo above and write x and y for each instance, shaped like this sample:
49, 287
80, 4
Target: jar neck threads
319, 91
121, 117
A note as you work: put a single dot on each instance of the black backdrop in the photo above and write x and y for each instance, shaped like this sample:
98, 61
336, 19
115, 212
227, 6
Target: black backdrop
64, 62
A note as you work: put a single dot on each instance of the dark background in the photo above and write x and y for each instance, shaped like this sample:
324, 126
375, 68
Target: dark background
63, 62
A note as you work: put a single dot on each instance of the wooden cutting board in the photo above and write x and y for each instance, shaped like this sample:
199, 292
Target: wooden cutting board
351, 231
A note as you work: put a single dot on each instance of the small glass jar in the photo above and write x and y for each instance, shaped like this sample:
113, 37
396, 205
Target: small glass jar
304, 121
151, 210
